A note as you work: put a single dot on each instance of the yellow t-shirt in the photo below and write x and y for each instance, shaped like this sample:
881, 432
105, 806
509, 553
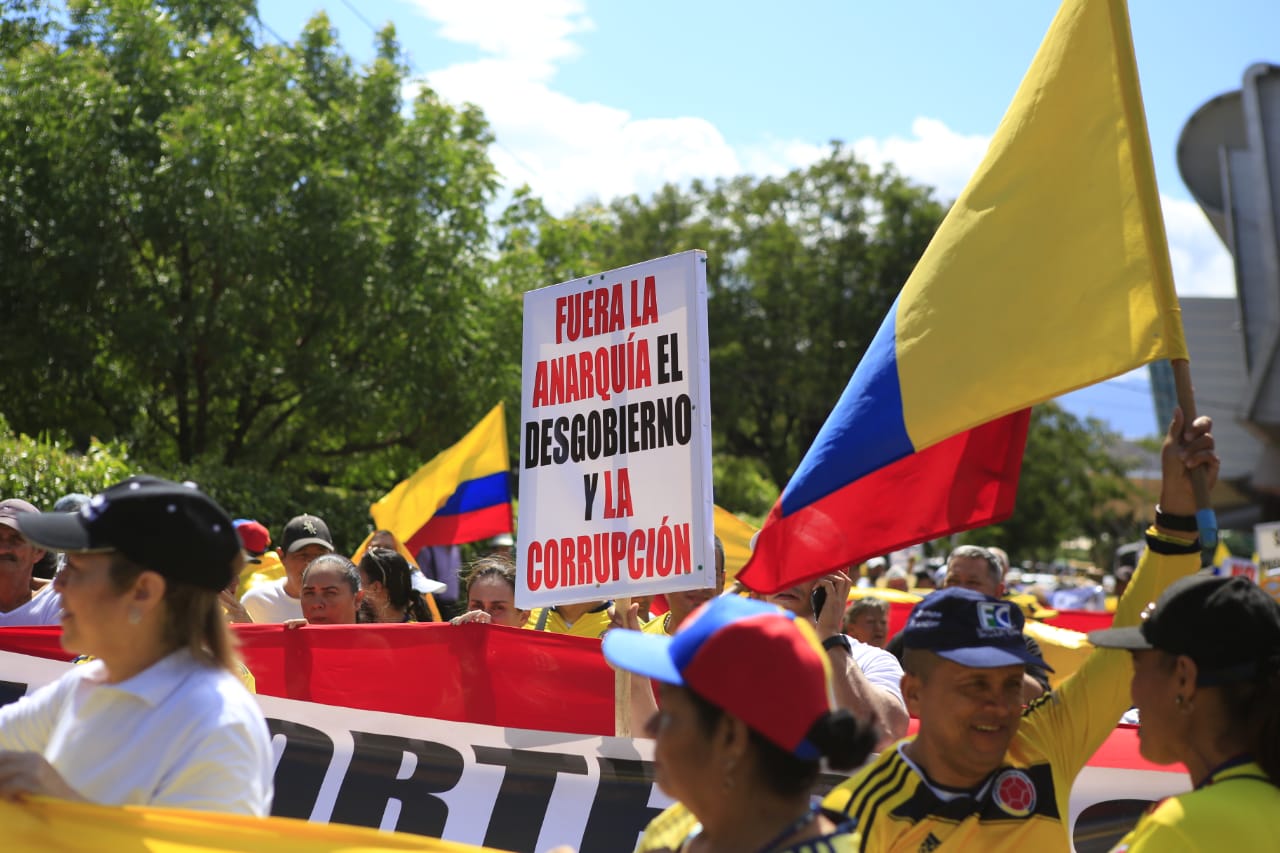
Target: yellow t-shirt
1063, 649
260, 570
1023, 804
593, 623
1235, 809
658, 625
670, 831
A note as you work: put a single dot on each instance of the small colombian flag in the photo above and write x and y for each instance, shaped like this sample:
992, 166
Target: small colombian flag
462, 495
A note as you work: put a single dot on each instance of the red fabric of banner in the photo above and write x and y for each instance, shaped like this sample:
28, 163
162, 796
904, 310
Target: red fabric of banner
467, 673
1083, 621
899, 611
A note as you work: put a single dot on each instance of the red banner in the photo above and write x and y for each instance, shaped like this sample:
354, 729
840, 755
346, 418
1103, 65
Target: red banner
467, 673
483, 674
1083, 621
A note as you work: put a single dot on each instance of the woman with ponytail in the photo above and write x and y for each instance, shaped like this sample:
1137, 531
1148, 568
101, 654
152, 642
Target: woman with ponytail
743, 765
159, 717
1206, 682
389, 596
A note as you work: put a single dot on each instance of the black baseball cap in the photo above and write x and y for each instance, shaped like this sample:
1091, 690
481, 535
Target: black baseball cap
966, 627
173, 529
1229, 626
304, 530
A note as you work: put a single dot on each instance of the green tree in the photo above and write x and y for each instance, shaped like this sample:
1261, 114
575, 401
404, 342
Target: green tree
41, 470
1073, 484
21, 23
801, 270
252, 255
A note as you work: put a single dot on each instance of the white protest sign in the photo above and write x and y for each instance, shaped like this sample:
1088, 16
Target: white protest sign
1267, 540
615, 439
1239, 567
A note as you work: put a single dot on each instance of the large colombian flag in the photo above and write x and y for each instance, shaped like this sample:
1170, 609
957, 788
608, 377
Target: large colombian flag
461, 495
1051, 272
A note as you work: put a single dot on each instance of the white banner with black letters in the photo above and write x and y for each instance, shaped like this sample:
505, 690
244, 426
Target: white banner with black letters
511, 788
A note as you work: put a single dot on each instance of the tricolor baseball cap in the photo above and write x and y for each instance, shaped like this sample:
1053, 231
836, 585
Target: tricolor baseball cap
724, 651
254, 536
966, 627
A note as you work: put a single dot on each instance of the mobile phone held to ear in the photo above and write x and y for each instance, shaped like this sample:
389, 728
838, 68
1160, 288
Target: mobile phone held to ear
817, 599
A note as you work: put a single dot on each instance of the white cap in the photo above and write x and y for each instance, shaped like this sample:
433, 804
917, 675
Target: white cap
424, 584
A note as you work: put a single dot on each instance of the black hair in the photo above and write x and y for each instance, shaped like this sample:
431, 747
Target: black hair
839, 736
393, 571
47, 566
345, 567
497, 566
1250, 706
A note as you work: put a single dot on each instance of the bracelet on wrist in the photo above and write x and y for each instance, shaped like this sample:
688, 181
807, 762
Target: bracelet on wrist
1170, 521
838, 641
1164, 543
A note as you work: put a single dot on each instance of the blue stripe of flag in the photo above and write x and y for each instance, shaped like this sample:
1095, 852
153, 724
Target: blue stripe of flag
480, 493
865, 432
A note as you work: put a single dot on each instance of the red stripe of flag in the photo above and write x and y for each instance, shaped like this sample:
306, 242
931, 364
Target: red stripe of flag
463, 527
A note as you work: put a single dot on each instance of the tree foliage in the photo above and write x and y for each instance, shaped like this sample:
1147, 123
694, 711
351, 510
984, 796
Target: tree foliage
254, 265
253, 255
1073, 484
801, 270
41, 470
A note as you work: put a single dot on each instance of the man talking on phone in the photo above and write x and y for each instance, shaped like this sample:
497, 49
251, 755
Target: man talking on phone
865, 679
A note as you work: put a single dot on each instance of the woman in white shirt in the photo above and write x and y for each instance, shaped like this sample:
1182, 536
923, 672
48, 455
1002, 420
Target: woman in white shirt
159, 716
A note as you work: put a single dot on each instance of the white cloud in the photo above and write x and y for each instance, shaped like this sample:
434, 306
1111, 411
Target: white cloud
570, 151
537, 33
934, 155
778, 156
1201, 263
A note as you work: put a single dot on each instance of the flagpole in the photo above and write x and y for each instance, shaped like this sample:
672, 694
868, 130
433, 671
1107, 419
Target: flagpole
622, 684
1206, 520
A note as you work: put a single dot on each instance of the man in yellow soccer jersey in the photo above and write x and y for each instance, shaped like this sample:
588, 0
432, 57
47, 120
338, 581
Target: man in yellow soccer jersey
681, 604
982, 773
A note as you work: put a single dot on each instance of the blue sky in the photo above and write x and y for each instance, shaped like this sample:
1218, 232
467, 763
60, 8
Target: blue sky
595, 99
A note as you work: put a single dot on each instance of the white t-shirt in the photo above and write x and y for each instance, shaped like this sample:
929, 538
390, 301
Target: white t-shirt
44, 608
269, 602
178, 734
879, 666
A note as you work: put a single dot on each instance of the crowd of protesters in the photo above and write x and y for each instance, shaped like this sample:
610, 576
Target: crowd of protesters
146, 576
